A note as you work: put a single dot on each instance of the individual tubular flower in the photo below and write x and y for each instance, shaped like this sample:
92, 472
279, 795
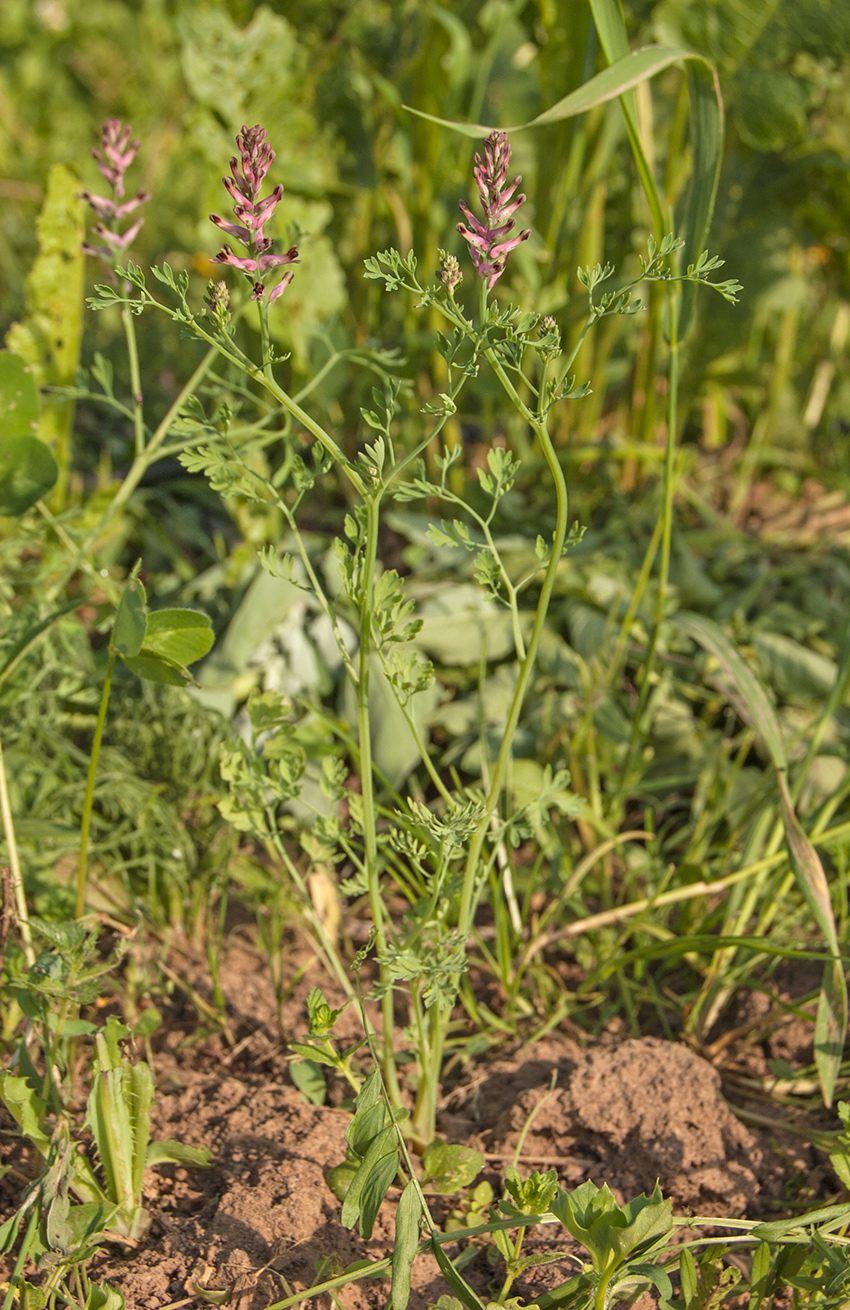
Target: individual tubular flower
491, 242
252, 213
114, 157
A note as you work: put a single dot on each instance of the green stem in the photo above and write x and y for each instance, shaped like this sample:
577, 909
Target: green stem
139, 467
135, 380
540, 428
666, 539
15, 867
367, 783
82, 872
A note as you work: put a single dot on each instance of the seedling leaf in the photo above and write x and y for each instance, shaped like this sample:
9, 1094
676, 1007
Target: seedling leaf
130, 621
447, 1169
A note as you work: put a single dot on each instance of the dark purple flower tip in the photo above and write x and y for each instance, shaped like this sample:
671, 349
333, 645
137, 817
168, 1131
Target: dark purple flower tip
489, 242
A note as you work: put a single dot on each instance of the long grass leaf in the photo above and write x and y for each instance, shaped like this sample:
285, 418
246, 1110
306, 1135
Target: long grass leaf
707, 131
613, 37
831, 1018
750, 698
752, 702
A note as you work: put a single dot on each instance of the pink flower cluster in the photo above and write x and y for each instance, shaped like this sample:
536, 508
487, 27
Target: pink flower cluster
115, 156
490, 242
252, 213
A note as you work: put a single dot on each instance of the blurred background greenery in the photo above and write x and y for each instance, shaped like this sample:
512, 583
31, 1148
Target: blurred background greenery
329, 83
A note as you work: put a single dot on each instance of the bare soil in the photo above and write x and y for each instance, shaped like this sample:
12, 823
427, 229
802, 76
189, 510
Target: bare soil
262, 1222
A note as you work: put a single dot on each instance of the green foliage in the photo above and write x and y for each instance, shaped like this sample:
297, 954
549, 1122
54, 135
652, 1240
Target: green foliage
28, 469
49, 337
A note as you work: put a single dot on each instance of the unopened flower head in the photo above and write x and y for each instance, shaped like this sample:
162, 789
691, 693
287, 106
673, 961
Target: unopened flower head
252, 212
491, 242
114, 157
450, 274
218, 303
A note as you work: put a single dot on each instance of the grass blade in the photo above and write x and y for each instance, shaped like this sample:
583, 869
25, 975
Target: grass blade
831, 1018
749, 697
752, 703
707, 133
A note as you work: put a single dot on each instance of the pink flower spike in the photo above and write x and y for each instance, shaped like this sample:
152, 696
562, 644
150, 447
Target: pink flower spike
114, 157
489, 242
252, 212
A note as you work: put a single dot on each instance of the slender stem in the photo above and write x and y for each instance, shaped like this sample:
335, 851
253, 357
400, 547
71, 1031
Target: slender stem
82, 872
540, 428
15, 867
367, 781
138, 468
135, 379
666, 539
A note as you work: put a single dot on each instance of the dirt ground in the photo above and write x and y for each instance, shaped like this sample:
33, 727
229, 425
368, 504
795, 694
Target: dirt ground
262, 1222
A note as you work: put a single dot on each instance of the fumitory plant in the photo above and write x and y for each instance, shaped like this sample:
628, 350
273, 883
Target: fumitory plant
444, 848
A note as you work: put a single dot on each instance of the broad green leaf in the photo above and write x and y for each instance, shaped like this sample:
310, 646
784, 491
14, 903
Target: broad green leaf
50, 334
309, 1079
28, 471
750, 697
26, 1108
459, 623
169, 1152
379, 1148
183, 636
155, 668
363, 1128
375, 1187
18, 397
313, 1053
339, 1178
447, 1169
130, 620
103, 1296
407, 1220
